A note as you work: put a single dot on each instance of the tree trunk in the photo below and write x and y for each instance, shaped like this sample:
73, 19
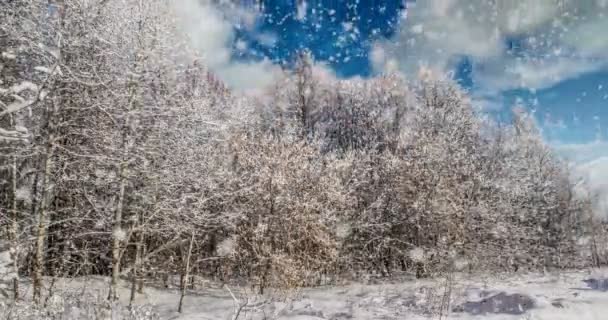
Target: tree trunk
13, 229
135, 274
140, 284
141, 251
137, 270
185, 274
117, 232
42, 219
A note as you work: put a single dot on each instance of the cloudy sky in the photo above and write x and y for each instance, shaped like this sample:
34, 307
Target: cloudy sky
549, 55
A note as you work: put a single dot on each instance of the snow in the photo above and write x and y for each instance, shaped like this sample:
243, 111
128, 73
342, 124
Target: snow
10, 135
43, 69
23, 193
417, 254
120, 234
226, 247
552, 296
6, 269
301, 10
25, 85
19, 104
8, 56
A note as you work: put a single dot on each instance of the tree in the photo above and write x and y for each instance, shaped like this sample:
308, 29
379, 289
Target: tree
285, 203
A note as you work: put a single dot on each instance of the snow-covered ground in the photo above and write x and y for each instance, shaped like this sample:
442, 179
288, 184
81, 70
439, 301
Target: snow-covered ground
567, 295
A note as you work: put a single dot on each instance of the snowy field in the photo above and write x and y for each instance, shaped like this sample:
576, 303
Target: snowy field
568, 295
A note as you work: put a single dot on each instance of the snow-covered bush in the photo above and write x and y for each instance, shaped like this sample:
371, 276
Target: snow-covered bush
76, 305
285, 204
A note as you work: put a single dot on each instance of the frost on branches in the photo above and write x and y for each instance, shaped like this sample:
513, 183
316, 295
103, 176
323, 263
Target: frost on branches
123, 156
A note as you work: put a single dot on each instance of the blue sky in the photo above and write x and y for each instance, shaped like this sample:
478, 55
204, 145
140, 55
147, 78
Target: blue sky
339, 33
565, 83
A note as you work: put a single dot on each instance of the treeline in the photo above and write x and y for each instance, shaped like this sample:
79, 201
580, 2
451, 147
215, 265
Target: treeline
121, 155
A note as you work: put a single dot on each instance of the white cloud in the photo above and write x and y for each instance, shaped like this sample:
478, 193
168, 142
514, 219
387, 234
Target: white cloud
267, 39
505, 73
487, 103
595, 175
590, 163
581, 153
212, 35
560, 39
240, 45
544, 73
377, 57
589, 37
249, 76
381, 62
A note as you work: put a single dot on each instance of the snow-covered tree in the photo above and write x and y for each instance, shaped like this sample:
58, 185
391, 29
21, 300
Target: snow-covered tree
286, 200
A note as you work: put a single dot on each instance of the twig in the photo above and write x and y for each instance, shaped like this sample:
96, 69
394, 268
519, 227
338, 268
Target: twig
238, 305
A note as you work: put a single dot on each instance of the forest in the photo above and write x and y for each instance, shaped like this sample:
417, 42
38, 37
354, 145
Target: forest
122, 155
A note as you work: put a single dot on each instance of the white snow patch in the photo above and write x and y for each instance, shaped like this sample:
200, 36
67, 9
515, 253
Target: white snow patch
43, 69
23, 194
25, 85
226, 247
120, 234
556, 296
9, 55
417, 255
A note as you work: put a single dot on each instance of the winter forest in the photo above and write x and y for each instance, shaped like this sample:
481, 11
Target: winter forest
128, 167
